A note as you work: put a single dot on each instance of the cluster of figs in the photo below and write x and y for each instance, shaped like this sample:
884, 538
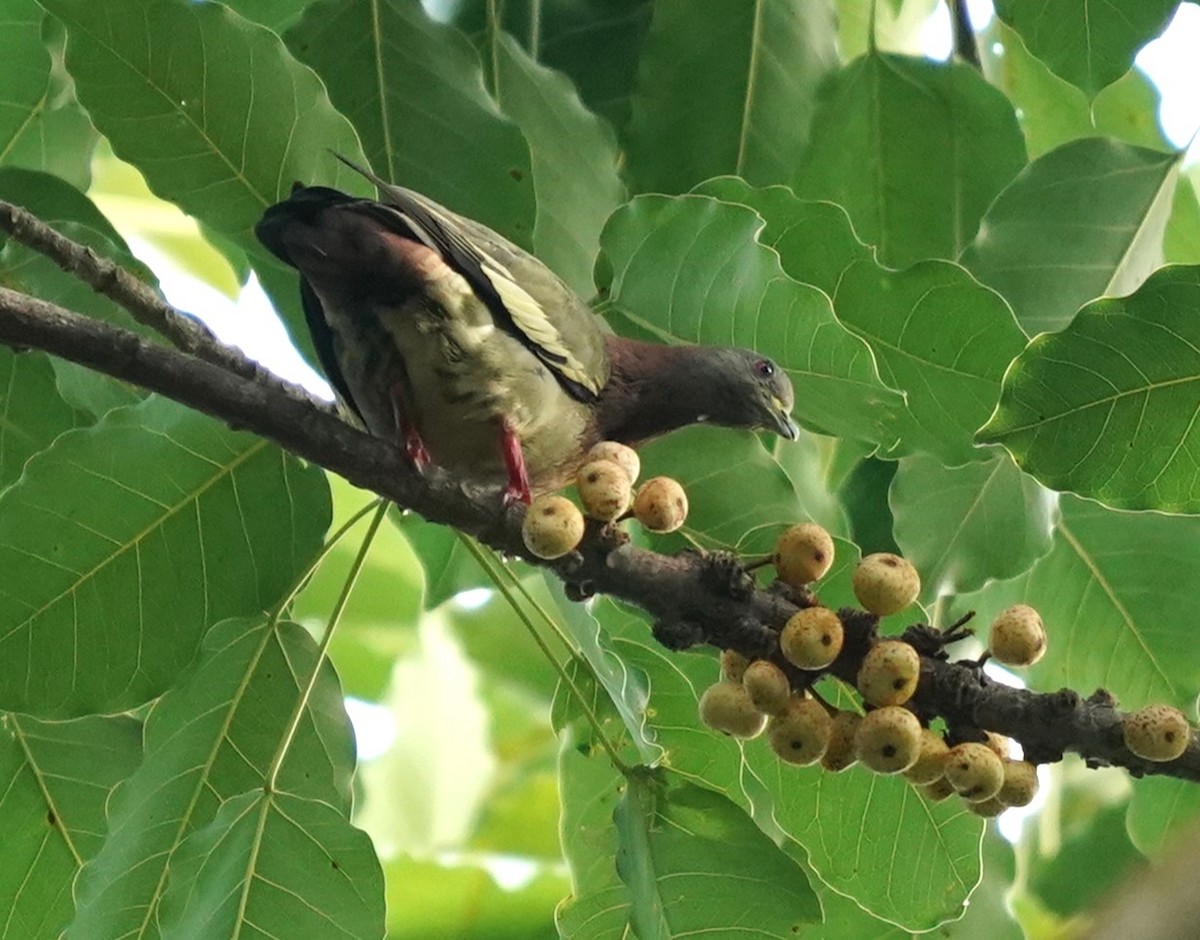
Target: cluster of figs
554, 525
884, 735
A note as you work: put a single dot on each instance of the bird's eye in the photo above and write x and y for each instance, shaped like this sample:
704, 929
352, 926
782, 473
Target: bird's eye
765, 368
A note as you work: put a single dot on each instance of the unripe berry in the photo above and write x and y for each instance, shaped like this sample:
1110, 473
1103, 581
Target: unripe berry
767, 686
553, 526
800, 734
733, 665
725, 706
888, 740
988, 809
937, 791
974, 770
930, 762
1018, 637
660, 505
885, 583
1157, 732
803, 554
1020, 783
604, 489
625, 457
840, 753
889, 673
812, 638
1000, 744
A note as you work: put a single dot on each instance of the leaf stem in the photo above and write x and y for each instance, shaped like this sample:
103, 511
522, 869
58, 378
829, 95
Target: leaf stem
499, 575
335, 616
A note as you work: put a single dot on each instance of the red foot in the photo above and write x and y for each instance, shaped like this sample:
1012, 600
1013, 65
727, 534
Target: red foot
410, 438
517, 488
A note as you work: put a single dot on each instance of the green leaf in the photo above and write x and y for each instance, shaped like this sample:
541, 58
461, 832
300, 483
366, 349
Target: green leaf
276, 15
1090, 43
1112, 593
77, 764
210, 740
596, 42
414, 91
222, 126
1160, 809
1082, 221
885, 127
940, 337
727, 89
222, 143
123, 542
27, 70
688, 269
279, 865
447, 564
574, 157
32, 414
590, 790
1107, 407
1181, 243
54, 782
965, 526
695, 862
1094, 859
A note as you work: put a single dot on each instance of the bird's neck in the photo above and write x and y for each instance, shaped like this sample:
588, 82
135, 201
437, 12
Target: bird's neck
653, 389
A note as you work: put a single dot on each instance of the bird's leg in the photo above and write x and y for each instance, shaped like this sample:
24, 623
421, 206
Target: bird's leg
410, 438
517, 488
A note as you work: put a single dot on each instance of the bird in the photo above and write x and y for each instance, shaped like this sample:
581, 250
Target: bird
470, 353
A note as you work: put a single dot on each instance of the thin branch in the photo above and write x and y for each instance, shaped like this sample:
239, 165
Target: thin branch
130, 293
965, 46
692, 598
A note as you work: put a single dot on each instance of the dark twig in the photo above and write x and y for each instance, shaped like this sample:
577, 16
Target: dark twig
965, 46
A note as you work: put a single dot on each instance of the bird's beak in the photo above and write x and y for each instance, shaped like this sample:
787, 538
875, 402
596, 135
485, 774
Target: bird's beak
782, 423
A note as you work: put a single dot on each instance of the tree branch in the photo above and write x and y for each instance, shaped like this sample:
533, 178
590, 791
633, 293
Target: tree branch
965, 45
692, 598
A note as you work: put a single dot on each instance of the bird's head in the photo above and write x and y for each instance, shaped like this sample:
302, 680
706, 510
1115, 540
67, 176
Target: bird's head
751, 391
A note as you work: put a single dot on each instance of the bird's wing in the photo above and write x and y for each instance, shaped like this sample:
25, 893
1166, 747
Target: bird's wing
514, 309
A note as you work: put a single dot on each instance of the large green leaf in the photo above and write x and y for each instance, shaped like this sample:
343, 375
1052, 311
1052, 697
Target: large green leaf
596, 42
222, 126
1113, 592
123, 542
1082, 221
1107, 408
278, 865
1160, 811
887, 126
55, 779
27, 70
689, 269
936, 333
966, 526
574, 157
727, 89
209, 740
413, 89
939, 336
32, 414
1181, 243
1090, 43
694, 862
